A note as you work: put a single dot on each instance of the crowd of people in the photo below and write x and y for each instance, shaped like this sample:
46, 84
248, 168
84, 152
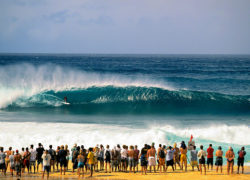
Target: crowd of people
121, 159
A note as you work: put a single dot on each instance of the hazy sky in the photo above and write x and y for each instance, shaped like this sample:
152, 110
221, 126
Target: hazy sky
125, 26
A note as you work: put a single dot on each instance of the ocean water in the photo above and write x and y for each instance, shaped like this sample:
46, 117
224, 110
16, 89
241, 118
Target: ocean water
125, 99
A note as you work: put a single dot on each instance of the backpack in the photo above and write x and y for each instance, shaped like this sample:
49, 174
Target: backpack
241, 154
162, 154
107, 154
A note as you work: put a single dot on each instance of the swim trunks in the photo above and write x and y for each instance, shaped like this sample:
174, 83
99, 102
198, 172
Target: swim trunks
194, 163
210, 161
151, 161
240, 162
170, 162
219, 161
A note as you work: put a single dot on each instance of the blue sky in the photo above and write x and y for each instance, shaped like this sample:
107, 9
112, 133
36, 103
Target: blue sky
125, 26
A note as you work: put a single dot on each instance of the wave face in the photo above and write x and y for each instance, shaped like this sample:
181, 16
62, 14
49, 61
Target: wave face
135, 100
29, 86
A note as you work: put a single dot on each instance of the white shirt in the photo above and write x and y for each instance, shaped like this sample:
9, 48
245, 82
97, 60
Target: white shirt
105, 153
202, 153
46, 159
124, 153
33, 155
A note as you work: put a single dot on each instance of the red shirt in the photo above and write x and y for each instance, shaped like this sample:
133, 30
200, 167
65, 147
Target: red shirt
210, 152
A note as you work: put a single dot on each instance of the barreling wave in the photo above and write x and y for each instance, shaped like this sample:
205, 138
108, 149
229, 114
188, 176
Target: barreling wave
30, 86
136, 100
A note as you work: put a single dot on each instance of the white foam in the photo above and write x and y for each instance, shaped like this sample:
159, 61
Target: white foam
23, 134
25, 80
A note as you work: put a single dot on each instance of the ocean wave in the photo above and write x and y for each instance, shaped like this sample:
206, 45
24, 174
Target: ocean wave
135, 100
29, 86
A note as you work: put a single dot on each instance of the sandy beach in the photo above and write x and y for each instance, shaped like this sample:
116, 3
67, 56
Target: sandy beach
178, 174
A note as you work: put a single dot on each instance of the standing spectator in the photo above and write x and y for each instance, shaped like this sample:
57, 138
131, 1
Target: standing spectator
230, 160
176, 156
2, 161
63, 160
39, 151
18, 161
124, 156
151, 158
210, 156
183, 158
143, 158
170, 158
107, 157
46, 163
26, 159
241, 155
161, 158
101, 157
194, 162
33, 154
202, 159
52, 153
136, 157
91, 160
219, 159
12, 162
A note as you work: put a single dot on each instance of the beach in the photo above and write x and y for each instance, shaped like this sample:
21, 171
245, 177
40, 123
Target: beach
178, 174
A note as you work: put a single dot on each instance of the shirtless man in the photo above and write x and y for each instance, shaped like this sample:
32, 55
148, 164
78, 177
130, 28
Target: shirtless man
18, 160
230, 160
8, 153
131, 162
151, 158
219, 159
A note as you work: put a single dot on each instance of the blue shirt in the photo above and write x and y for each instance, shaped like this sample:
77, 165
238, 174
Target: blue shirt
193, 154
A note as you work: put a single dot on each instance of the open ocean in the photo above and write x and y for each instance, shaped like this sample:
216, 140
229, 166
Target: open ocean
125, 99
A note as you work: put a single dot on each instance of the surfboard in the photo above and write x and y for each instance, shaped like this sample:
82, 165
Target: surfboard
66, 103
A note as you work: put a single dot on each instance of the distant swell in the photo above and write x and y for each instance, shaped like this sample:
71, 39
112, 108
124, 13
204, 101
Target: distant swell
135, 100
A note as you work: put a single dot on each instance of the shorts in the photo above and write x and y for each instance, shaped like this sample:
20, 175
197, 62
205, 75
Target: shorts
18, 168
136, 162
124, 160
161, 161
107, 160
101, 159
210, 161
219, 161
131, 162
240, 162
12, 166
80, 165
46, 168
114, 163
194, 163
2, 166
63, 163
202, 161
26, 163
32, 163
183, 158
144, 161
39, 161
170, 162
176, 159
151, 161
